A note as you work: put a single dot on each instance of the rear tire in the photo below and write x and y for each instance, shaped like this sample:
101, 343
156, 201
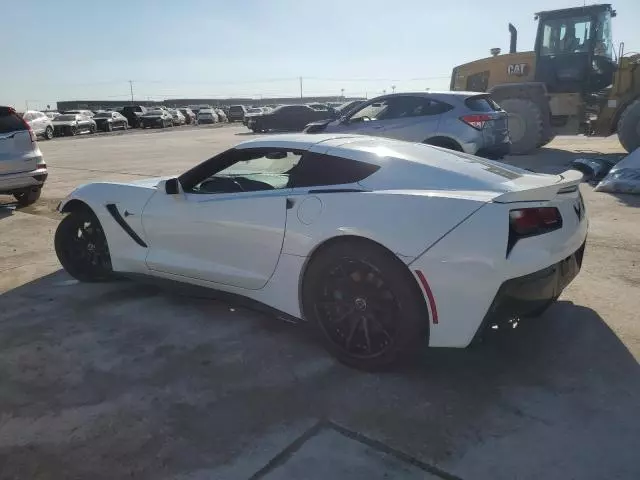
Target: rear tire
526, 126
629, 127
28, 197
73, 131
445, 143
81, 247
364, 304
92, 129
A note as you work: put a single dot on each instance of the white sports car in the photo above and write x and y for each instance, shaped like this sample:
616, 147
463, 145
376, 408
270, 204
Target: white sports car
377, 243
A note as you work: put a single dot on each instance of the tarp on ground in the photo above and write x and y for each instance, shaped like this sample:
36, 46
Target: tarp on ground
624, 177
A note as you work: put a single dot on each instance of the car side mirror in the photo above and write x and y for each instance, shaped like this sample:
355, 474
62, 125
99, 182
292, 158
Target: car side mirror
171, 186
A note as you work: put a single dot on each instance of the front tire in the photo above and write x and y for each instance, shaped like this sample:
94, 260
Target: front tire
48, 133
108, 127
81, 247
526, 127
364, 304
28, 197
92, 129
629, 127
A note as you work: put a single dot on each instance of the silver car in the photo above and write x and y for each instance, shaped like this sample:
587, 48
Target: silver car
22, 168
464, 121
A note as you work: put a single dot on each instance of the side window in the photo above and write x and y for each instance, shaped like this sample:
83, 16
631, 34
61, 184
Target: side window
248, 170
369, 111
317, 170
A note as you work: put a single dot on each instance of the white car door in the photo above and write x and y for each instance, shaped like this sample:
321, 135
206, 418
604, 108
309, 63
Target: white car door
224, 225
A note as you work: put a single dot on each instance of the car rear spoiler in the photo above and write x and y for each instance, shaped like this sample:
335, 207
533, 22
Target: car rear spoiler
569, 181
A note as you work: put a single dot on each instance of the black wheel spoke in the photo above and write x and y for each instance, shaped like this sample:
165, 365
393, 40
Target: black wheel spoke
365, 328
354, 327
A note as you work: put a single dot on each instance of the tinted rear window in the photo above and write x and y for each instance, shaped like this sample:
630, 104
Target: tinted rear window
236, 109
317, 170
481, 104
10, 122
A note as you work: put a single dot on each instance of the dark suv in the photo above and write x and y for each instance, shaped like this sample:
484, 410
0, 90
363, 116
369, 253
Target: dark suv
133, 114
236, 113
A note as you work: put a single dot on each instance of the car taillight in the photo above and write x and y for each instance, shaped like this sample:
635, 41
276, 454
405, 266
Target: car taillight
477, 120
528, 222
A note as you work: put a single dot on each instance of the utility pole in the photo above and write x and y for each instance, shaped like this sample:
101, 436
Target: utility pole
342, 93
300, 87
393, 88
131, 88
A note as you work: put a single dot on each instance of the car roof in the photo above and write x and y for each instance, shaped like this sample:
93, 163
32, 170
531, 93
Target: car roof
404, 164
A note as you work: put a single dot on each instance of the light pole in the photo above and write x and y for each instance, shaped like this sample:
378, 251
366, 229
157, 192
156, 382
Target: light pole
393, 88
342, 93
384, 92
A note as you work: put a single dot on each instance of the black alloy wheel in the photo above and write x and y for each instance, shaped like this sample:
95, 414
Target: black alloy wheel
365, 305
73, 130
81, 247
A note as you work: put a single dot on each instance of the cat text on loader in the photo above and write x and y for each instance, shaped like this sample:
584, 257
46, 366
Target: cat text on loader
570, 83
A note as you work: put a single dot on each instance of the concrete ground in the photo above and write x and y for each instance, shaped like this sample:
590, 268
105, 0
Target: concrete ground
126, 380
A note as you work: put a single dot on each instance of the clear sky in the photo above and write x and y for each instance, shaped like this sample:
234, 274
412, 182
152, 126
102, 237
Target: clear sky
70, 49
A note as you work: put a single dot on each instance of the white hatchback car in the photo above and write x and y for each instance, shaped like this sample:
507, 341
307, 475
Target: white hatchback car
22, 169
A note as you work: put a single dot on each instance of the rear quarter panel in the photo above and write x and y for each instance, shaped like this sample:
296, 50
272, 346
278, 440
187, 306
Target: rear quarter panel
405, 223
126, 255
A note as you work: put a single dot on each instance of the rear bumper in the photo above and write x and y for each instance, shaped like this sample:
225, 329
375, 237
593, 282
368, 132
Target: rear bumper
17, 181
525, 296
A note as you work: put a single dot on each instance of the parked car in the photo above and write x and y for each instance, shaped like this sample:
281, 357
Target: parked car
73, 124
307, 226
463, 121
178, 117
156, 118
207, 115
286, 117
86, 113
189, 116
222, 117
236, 113
133, 114
40, 124
252, 112
22, 168
108, 121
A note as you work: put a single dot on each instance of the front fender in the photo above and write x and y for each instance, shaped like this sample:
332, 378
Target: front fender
127, 253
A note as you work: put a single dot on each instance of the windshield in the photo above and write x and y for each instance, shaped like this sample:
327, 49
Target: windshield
236, 108
155, 112
102, 115
65, 118
255, 110
566, 35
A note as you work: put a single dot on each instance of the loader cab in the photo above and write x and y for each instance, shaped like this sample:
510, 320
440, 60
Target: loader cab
574, 49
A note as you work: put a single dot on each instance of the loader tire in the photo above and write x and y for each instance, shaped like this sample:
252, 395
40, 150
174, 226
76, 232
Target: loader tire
629, 127
526, 125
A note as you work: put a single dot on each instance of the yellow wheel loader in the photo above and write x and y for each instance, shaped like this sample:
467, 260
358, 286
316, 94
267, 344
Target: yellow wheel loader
572, 82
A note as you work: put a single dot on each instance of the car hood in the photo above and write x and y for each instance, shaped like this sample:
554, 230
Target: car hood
149, 182
323, 122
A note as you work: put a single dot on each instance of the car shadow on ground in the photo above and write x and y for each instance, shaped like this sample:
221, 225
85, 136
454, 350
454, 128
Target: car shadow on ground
109, 380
